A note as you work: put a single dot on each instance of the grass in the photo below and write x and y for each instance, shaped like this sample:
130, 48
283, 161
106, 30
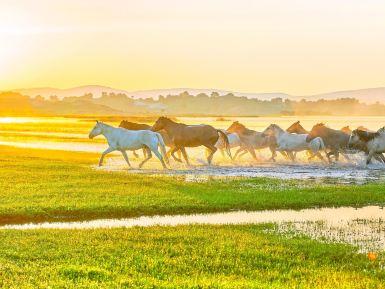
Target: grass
180, 257
40, 185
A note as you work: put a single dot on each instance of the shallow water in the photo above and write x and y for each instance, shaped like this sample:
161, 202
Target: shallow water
344, 173
363, 227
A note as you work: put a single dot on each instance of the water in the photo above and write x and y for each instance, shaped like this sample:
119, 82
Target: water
362, 227
343, 173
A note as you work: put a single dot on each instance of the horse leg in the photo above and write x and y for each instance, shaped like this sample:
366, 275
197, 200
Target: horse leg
284, 154
148, 156
252, 152
126, 158
237, 152
172, 151
273, 154
243, 153
212, 149
144, 152
159, 156
185, 156
135, 154
291, 156
381, 156
369, 158
107, 151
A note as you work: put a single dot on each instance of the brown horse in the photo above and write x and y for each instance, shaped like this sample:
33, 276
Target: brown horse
141, 126
183, 136
252, 140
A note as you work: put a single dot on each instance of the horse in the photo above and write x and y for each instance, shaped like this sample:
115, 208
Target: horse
120, 139
335, 140
251, 140
183, 136
234, 141
375, 141
141, 126
291, 142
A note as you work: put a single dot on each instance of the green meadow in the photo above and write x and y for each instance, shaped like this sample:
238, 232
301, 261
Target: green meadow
44, 185
48, 185
180, 257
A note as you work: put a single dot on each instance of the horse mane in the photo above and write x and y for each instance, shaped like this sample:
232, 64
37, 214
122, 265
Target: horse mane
365, 135
276, 126
245, 131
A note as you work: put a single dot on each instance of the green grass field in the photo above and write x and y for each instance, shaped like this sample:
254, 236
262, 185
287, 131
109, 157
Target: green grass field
38, 185
180, 257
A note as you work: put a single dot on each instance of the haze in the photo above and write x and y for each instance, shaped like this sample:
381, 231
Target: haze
298, 47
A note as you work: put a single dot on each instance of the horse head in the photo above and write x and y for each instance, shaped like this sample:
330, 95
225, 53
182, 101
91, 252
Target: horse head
317, 131
295, 128
236, 127
272, 130
161, 123
97, 130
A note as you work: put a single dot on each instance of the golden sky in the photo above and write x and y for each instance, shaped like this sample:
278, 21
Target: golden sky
298, 46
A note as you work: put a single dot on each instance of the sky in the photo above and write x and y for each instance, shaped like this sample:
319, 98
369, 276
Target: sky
299, 47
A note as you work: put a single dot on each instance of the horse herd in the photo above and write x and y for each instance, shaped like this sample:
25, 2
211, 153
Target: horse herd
178, 136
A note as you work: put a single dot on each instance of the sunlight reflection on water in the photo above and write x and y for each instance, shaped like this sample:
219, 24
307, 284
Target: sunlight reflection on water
363, 227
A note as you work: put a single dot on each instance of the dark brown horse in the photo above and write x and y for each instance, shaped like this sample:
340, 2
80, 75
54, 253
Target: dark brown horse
183, 136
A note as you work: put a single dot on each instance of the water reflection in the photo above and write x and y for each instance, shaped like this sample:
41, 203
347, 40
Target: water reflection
363, 227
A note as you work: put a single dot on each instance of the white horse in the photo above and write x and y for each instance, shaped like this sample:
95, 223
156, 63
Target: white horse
120, 139
291, 142
234, 141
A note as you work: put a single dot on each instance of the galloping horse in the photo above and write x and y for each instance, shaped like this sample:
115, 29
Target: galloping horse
375, 142
338, 142
120, 139
335, 140
183, 136
252, 140
141, 126
290, 142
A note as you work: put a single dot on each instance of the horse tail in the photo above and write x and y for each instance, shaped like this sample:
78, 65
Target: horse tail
162, 147
317, 144
226, 142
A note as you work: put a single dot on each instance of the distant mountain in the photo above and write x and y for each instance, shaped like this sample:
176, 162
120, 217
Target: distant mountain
369, 95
